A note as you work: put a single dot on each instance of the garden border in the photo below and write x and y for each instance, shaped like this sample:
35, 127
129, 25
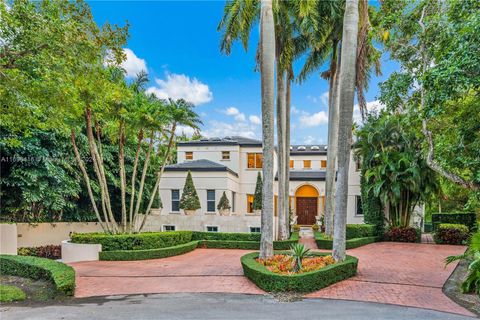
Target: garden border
302, 282
128, 255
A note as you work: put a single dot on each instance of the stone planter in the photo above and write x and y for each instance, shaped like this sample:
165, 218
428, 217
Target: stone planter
74, 252
8, 238
224, 212
189, 212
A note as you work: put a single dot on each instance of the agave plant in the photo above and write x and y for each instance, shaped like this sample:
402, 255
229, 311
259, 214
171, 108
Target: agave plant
298, 252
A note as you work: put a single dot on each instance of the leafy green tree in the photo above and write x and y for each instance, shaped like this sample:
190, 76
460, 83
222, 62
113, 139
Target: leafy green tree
189, 200
257, 196
437, 45
394, 170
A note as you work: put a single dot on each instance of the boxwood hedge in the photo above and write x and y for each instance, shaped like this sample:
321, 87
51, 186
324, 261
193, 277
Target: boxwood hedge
125, 255
303, 282
229, 236
137, 241
247, 245
360, 230
349, 244
61, 275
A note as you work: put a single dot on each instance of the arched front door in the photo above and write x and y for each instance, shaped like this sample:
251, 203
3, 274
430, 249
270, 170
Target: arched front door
306, 205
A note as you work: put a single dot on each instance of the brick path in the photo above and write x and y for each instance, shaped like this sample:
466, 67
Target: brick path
395, 273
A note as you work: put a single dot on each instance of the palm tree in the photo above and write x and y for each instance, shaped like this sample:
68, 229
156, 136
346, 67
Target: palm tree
267, 70
346, 99
181, 114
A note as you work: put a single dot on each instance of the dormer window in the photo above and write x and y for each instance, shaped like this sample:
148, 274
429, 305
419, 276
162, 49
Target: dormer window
315, 148
189, 155
301, 148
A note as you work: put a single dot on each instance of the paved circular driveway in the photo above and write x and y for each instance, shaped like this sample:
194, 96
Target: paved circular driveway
395, 273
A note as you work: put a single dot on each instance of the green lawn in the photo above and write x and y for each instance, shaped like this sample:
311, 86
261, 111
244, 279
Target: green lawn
11, 293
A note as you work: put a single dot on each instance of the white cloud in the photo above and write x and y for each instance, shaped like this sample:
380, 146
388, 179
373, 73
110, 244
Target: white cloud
323, 98
313, 120
294, 110
255, 119
312, 140
188, 131
180, 86
221, 129
234, 112
133, 64
372, 106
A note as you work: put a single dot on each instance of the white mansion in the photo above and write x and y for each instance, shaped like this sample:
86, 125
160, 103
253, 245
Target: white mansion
231, 165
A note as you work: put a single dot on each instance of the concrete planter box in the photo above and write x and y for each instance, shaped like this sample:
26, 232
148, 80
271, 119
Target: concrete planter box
75, 252
189, 212
8, 238
224, 212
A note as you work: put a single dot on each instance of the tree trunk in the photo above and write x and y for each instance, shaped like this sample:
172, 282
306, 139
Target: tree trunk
123, 177
134, 177
287, 152
267, 70
159, 177
332, 143
144, 174
347, 94
87, 181
281, 151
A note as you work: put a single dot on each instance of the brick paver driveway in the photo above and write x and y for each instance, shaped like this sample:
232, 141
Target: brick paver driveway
395, 273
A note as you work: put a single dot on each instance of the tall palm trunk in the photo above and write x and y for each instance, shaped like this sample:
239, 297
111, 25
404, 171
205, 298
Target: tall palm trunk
134, 177
144, 174
287, 151
159, 176
267, 70
347, 93
332, 142
123, 177
281, 124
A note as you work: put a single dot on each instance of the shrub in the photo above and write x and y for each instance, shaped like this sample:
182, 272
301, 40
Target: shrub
408, 234
257, 196
327, 243
139, 241
371, 205
466, 218
223, 204
125, 255
189, 200
246, 245
315, 227
62, 276
360, 230
448, 233
50, 252
11, 293
301, 282
232, 236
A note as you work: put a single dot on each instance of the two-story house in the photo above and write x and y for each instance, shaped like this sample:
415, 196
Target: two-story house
231, 165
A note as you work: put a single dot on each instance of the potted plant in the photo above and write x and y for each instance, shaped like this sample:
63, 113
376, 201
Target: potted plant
224, 205
257, 197
189, 201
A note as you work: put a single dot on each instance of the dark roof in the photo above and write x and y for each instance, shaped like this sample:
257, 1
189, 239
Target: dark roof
226, 141
199, 165
306, 175
308, 149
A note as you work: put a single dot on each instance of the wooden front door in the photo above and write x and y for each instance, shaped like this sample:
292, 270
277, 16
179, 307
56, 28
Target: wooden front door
307, 210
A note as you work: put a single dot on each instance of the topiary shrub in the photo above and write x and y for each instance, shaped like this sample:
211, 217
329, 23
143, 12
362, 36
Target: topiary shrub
257, 197
61, 275
408, 234
302, 282
189, 200
466, 218
448, 233
223, 204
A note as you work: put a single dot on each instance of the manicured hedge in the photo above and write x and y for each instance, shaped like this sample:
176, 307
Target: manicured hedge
246, 245
125, 255
138, 241
62, 276
349, 244
230, 236
467, 218
303, 282
448, 233
360, 230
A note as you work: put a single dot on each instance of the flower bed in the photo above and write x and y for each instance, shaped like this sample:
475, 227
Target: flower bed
284, 263
306, 281
62, 276
50, 252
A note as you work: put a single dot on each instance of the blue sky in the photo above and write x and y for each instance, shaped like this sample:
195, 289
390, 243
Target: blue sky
178, 44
